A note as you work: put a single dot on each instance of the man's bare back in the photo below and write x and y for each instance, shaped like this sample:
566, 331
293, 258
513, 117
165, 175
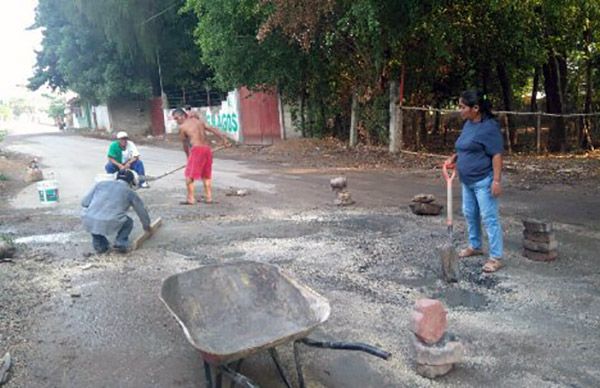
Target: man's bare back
192, 131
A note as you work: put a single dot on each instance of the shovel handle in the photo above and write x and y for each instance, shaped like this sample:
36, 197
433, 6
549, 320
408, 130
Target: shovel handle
449, 177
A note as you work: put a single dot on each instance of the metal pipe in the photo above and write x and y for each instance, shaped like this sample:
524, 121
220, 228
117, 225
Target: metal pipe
237, 377
275, 358
208, 374
347, 346
298, 365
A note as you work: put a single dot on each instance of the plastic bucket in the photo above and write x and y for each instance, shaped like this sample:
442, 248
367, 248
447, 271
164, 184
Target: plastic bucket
48, 191
105, 177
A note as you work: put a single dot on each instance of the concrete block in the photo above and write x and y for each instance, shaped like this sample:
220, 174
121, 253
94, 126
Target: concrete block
442, 353
543, 237
537, 226
433, 371
540, 256
540, 246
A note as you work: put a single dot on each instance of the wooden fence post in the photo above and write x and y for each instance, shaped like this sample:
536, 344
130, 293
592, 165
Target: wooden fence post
353, 123
538, 132
507, 133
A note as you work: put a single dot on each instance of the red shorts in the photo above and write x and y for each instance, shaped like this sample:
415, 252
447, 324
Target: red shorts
199, 165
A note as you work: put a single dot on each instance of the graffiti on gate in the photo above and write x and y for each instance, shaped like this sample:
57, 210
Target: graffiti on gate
225, 121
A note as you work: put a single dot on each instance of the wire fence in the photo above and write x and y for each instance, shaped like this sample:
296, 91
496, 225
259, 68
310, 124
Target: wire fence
194, 96
432, 129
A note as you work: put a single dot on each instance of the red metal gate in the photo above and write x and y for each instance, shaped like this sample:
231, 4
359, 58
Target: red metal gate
259, 116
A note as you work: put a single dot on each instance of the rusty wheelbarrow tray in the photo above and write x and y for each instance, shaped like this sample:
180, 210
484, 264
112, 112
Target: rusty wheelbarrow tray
233, 310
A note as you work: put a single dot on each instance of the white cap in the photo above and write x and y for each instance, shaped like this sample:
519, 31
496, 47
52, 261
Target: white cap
122, 135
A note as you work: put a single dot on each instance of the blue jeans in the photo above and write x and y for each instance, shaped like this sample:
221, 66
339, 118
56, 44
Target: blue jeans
480, 205
102, 245
137, 166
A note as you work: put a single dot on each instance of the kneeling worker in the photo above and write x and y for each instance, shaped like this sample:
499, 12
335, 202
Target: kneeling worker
123, 155
105, 212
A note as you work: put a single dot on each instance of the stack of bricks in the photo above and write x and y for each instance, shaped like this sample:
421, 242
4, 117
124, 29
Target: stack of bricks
539, 242
436, 350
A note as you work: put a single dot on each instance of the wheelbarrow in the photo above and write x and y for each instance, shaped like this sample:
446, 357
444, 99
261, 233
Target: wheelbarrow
231, 311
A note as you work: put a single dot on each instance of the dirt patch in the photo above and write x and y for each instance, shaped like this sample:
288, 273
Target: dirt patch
13, 168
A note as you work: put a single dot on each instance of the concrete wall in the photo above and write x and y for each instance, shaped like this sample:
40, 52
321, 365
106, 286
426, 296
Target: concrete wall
132, 116
291, 132
225, 117
102, 120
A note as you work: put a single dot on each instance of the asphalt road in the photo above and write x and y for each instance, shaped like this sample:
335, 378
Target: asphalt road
80, 319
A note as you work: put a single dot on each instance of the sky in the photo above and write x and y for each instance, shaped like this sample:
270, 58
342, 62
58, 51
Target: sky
17, 45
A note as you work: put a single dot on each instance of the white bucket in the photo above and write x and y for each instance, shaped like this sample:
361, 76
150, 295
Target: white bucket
48, 191
105, 177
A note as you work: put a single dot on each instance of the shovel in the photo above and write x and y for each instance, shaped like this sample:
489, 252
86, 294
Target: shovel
448, 254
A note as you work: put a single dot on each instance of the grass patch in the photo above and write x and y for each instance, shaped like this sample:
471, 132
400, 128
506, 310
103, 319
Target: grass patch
3, 177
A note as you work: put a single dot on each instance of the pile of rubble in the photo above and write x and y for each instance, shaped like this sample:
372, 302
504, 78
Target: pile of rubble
425, 205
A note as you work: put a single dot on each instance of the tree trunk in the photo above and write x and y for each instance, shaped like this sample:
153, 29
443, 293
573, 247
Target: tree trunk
485, 78
394, 108
302, 109
586, 140
507, 99
534, 90
157, 119
552, 86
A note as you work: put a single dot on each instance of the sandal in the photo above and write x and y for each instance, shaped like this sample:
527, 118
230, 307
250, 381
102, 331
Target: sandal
492, 265
469, 251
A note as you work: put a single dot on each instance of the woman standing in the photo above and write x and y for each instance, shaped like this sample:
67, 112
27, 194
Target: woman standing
479, 163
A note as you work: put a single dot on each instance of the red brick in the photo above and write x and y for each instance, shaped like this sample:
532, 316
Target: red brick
429, 321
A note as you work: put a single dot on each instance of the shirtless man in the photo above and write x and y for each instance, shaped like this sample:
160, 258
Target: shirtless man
199, 165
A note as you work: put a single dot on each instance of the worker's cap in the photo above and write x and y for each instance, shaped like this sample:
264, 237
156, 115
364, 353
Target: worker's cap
122, 135
127, 176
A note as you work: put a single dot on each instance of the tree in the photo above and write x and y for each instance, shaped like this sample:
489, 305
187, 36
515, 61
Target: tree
111, 48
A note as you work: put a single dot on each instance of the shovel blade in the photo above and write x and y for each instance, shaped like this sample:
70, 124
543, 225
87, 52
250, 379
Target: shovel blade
449, 261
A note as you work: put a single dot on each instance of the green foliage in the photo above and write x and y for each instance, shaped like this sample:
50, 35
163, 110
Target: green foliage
56, 107
113, 48
318, 53
5, 112
20, 106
